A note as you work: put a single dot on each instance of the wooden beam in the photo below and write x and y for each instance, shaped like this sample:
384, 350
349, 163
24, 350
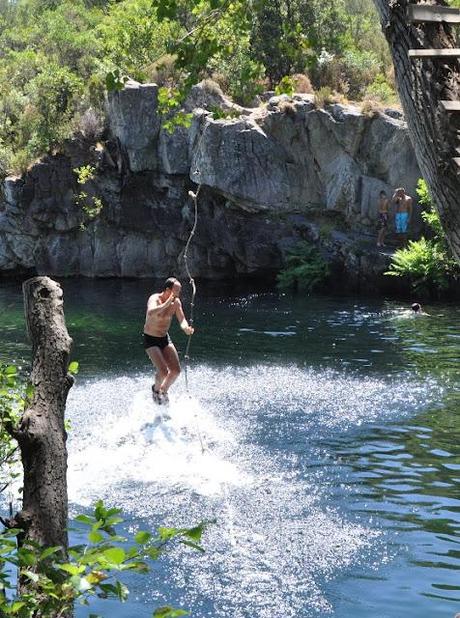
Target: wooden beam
451, 106
457, 161
419, 13
448, 52
457, 150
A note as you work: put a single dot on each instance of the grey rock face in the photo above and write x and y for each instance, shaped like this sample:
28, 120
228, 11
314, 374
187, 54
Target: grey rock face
269, 177
134, 120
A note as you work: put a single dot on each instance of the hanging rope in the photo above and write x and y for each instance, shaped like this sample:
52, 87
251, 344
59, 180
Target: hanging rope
194, 197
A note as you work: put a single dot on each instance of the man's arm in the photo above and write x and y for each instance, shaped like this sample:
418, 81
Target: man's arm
188, 330
409, 208
153, 306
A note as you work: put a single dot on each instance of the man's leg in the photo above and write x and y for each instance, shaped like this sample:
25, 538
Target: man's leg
172, 360
158, 360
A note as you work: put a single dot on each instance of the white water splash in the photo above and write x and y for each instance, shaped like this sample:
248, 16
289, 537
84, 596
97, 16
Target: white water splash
276, 541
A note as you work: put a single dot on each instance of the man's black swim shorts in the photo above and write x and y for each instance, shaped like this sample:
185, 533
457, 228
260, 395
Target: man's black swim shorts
158, 342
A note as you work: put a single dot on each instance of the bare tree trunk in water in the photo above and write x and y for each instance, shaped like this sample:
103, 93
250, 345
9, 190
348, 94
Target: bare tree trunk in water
41, 434
422, 84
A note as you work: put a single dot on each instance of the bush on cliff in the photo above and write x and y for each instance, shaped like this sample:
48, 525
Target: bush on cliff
305, 269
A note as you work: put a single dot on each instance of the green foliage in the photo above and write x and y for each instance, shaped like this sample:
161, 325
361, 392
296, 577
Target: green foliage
305, 269
380, 90
13, 397
324, 96
91, 205
57, 58
57, 581
84, 173
427, 264
285, 86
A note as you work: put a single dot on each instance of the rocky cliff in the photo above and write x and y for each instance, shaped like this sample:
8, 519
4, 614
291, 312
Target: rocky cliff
270, 177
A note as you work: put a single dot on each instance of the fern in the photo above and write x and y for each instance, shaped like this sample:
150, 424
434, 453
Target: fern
305, 269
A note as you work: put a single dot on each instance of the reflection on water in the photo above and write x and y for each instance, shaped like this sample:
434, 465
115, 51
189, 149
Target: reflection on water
332, 450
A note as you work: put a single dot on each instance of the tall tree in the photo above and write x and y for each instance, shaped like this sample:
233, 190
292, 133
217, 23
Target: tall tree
422, 84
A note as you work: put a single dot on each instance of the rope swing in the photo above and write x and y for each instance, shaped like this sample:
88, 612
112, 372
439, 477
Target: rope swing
194, 197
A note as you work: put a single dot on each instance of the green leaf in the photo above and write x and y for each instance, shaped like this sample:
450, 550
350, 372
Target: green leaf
49, 551
73, 367
32, 576
85, 519
95, 537
26, 557
169, 612
193, 545
11, 370
168, 533
73, 569
195, 533
142, 537
115, 555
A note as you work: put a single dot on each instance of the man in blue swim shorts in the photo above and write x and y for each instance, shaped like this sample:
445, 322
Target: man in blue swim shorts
403, 213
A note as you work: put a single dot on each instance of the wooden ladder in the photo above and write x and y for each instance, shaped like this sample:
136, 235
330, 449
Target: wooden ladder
428, 13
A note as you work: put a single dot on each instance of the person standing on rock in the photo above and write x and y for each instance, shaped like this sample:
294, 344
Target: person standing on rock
161, 308
403, 213
383, 216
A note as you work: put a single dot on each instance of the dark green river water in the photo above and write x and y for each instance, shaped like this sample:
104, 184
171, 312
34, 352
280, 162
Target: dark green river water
331, 429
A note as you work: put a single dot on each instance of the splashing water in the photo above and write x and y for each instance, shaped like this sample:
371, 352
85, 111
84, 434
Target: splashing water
276, 540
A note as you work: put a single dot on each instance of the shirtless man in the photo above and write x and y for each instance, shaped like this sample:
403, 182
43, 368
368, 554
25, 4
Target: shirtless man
160, 349
403, 213
384, 212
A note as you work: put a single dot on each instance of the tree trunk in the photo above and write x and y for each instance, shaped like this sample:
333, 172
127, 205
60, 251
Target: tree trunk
41, 434
422, 84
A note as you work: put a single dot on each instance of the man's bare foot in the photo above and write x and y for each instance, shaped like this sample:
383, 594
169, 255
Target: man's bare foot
157, 396
164, 398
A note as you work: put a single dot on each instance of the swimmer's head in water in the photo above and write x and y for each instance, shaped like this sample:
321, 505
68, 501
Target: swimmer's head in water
416, 308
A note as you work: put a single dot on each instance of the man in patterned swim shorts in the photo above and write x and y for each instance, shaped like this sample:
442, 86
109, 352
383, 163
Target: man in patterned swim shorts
403, 213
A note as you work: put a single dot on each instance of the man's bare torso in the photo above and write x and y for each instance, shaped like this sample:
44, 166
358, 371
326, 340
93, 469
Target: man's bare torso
384, 204
157, 325
403, 204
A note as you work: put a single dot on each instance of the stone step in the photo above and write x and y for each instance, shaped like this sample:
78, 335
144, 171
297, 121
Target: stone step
448, 52
451, 106
419, 13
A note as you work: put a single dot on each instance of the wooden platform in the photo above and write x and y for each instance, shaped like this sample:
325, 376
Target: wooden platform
419, 13
447, 53
451, 106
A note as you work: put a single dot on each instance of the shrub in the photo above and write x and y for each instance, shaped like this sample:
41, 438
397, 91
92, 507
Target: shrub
90, 124
305, 269
302, 83
285, 86
238, 75
324, 96
381, 90
370, 107
350, 74
164, 72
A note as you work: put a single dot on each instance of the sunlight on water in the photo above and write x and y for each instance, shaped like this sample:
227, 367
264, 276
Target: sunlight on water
276, 541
